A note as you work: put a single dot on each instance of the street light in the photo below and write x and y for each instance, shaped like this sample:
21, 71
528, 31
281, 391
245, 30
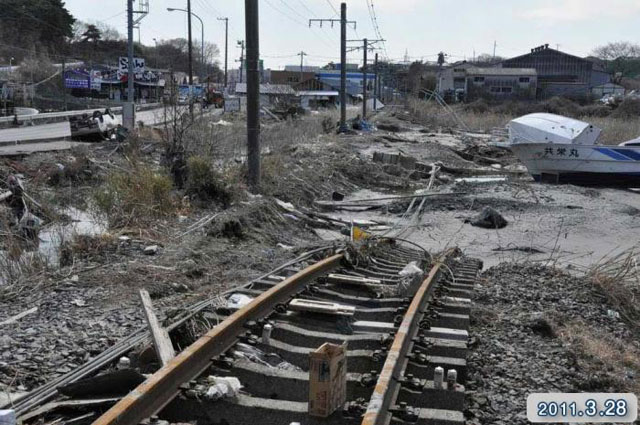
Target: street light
10, 65
171, 9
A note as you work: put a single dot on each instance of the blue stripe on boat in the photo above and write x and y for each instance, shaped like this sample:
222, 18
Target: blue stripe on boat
629, 153
612, 154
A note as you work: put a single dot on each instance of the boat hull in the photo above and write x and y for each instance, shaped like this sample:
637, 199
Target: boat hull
592, 165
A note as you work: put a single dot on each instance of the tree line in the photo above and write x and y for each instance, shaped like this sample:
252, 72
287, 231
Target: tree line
45, 31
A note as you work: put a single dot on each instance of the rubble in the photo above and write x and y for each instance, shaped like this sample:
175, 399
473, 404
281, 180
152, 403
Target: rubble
521, 324
489, 219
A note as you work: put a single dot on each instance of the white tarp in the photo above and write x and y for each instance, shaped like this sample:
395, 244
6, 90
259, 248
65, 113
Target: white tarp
550, 128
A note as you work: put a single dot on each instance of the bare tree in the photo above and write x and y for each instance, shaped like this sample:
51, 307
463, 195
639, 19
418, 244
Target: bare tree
108, 32
617, 55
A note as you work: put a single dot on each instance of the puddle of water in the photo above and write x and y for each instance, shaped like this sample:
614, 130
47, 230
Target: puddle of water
81, 223
50, 238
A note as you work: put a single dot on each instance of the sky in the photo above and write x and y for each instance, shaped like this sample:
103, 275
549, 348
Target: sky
417, 28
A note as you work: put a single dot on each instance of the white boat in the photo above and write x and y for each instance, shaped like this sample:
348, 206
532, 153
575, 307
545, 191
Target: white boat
558, 149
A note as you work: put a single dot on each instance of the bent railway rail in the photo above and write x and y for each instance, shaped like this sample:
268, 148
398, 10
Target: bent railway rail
403, 332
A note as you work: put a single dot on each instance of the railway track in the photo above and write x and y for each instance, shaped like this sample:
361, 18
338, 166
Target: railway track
405, 334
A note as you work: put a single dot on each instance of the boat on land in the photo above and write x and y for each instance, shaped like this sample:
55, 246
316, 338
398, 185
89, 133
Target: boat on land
557, 149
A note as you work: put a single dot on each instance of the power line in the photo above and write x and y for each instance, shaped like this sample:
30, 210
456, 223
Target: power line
296, 21
333, 7
308, 10
374, 23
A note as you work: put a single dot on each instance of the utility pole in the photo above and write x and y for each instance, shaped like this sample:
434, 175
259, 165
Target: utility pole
495, 43
226, 47
241, 46
302, 54
253, 93
343, 67
365, 46
343, 60
375, 85
129, 110
190, 46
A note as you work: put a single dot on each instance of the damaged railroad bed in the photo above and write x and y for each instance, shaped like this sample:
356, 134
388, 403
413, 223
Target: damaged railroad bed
399, 315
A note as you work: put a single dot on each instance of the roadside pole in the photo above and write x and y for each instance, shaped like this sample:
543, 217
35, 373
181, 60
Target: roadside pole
128, 112
364, 80
375, 85
253, 94
226, 47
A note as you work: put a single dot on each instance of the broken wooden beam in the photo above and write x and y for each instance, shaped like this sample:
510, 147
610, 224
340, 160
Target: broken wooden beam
19, 316
160, 336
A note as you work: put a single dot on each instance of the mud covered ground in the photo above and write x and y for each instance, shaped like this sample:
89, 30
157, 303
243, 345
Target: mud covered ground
540, 320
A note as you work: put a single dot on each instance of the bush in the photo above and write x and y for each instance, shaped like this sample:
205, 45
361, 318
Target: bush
135, 197
629, 108
76, 171
205, 183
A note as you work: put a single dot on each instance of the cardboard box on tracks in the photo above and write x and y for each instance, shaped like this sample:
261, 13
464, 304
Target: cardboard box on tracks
327, 379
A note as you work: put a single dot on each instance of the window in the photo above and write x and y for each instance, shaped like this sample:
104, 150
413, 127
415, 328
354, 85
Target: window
525, 79
478, 79
495, 89
506, 89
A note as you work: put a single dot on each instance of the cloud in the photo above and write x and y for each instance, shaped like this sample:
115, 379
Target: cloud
567, 11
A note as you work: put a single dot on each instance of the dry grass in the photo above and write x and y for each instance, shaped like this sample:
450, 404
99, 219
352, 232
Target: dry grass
616, 129
83, 247
618, 278
608, 360
135, 198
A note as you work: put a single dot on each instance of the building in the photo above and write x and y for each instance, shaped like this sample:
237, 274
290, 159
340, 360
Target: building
355, 81
305, 68
453, 78
291, 78
270, 94
501, 83
608, 89
561, 74
315, 99
464, 81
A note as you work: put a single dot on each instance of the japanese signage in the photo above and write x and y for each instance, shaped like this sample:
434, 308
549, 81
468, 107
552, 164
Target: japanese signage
561, 152
123, 66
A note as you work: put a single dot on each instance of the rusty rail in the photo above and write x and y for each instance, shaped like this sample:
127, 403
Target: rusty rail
384, 392
159, 389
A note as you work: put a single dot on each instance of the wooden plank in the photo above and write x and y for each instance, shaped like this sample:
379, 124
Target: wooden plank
160, 336
19, 316
57, 130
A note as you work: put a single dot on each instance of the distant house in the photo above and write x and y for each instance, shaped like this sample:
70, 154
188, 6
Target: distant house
270, 94
561, 74
501, 83
608, 89
315, 99
453, 78
290, 78
463, 81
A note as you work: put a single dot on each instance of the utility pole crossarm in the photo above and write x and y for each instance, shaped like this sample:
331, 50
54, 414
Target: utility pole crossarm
343, 59
331, 21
